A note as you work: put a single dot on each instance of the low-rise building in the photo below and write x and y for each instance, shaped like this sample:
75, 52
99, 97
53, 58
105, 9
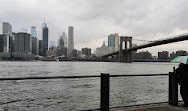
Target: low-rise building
172, 55
181, 53
163, 55
74, 53
62, 51
103, 50
51, 53
142, 55
86, 51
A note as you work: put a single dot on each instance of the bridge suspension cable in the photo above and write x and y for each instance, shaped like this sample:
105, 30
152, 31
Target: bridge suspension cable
143, 40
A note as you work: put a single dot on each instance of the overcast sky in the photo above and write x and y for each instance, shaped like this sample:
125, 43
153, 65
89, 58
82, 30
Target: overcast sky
94, 20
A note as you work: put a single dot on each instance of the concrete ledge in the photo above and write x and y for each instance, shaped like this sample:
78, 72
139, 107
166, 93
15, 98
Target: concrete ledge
155, 107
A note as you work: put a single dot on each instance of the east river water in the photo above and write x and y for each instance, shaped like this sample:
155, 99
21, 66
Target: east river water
82, 93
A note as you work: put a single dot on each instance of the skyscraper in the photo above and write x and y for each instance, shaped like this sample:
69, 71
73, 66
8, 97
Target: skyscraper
35, 46
5, 43
61, 42
23, 42
33, 31
45, 38
113, 41
7, 28
70, 40
41, 47
62, 46
64, 39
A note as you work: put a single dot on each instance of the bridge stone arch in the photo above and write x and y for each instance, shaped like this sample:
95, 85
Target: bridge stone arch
124, 42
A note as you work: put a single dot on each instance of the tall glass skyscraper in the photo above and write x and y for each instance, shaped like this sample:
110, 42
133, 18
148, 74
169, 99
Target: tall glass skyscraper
7, 28
70, 40
33, 31
45, 38
113, 41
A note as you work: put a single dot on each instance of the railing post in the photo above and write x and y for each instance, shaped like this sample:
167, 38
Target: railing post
105, 91
170, 88
173, 88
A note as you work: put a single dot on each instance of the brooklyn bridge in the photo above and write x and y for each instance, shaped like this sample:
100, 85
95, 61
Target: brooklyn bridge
126, 46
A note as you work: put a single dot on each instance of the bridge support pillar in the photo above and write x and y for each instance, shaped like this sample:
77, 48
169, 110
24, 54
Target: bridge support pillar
125, 43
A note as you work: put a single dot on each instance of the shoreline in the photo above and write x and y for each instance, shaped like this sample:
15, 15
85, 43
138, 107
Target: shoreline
91, 60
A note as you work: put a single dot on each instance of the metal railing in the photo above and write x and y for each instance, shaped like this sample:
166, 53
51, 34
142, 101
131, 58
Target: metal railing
105, 86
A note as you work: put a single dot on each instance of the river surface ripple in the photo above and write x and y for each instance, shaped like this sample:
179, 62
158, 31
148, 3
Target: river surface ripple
79, 94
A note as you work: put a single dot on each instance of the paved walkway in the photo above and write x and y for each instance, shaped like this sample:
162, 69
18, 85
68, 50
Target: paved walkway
157, 107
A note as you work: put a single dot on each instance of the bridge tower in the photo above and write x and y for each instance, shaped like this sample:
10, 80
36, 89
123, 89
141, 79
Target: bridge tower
125, 43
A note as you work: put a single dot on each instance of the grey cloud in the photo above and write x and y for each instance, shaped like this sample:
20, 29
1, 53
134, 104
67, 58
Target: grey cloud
140, 17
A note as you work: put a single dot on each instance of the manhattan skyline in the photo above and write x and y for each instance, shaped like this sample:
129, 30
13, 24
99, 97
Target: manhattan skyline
94, 21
